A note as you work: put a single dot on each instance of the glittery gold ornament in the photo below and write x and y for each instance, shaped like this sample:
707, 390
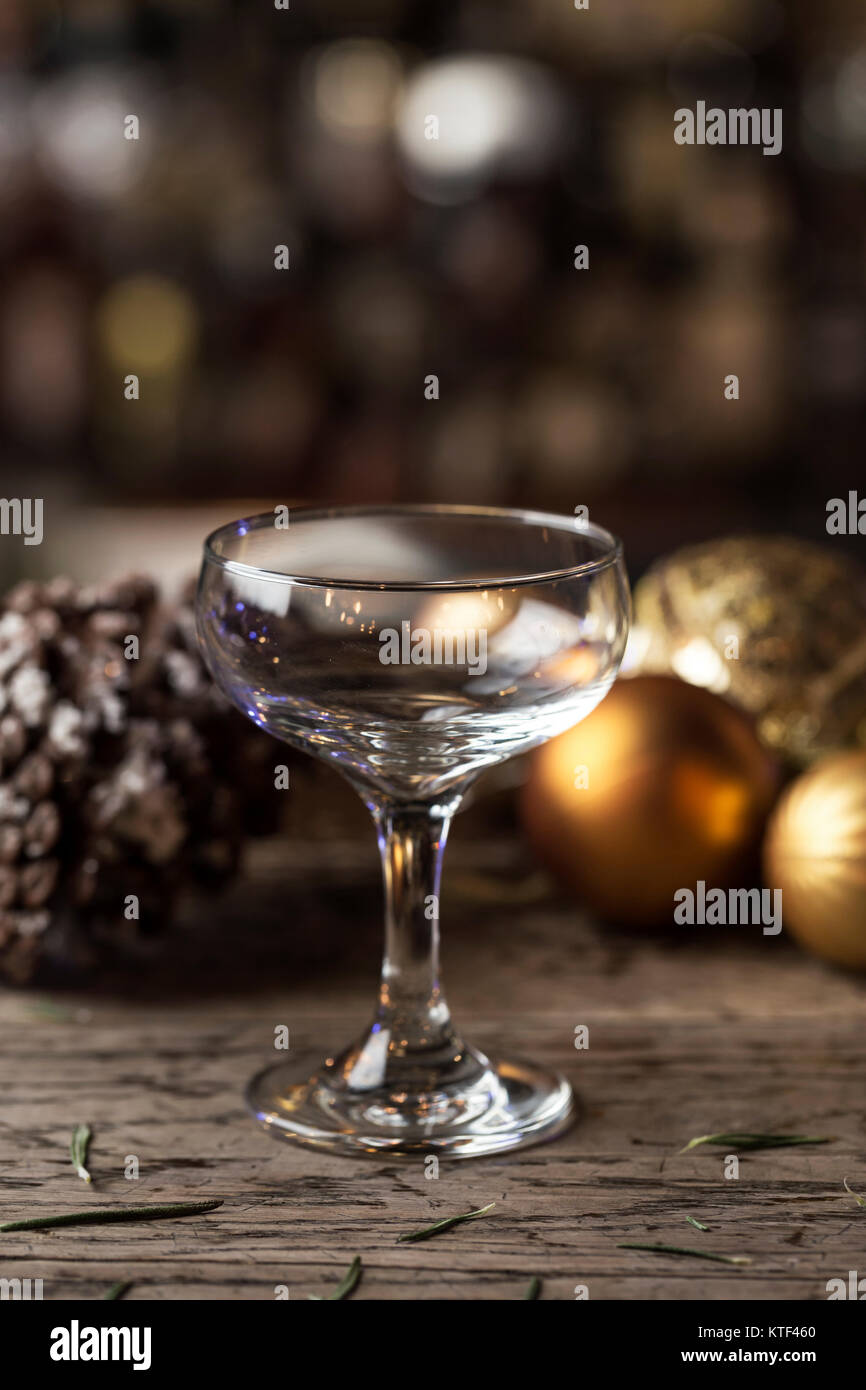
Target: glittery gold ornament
661, 786
815, 851
777, 625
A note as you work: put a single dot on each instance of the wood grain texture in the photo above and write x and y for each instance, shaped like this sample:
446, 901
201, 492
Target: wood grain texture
687, 1036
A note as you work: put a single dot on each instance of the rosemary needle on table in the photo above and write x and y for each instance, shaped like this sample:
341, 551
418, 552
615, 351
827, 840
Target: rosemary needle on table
81, 1137
533, 1288
118, 1290
698, 1225
685, 1250
345, 1286
439, 1226
757, 1141
101, 1214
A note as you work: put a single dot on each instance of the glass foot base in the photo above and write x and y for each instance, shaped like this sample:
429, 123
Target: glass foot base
497, 1106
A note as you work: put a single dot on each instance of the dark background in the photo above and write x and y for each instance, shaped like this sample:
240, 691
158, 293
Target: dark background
558, 387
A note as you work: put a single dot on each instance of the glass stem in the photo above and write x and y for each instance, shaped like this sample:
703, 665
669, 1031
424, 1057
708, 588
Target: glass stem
412, 1008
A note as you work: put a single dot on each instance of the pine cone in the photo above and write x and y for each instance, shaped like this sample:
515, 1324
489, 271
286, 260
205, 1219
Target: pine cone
118, 775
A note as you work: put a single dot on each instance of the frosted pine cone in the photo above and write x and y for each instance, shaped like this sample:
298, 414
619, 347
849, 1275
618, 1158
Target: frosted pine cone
118, 775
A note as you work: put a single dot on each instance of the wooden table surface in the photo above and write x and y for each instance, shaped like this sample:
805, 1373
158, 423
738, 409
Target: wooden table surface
705, 1033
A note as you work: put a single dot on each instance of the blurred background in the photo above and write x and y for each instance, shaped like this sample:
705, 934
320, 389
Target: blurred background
237, 270
408, 257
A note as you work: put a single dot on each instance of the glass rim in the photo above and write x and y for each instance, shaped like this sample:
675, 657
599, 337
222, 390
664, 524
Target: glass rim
560, 521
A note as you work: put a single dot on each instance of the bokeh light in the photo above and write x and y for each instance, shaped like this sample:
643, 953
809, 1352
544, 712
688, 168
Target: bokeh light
147, 323
356, 83
79, 124
834, 113
462, 119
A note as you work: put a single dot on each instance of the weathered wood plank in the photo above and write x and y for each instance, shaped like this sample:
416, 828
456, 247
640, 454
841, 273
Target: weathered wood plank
687, 1037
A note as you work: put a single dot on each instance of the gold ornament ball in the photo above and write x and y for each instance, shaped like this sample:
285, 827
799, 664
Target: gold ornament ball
775, 624
662, 785
815, 851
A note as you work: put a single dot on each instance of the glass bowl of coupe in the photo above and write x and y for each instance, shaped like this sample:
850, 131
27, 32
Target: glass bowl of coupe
412, 647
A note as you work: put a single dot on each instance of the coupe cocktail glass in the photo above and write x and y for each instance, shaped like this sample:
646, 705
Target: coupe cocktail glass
412, 647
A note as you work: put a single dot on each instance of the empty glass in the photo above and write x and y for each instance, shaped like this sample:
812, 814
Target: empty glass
411, 647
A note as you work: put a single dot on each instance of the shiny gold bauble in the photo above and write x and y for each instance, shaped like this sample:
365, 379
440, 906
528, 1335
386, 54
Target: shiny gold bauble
815, 851
776, 625
662, 785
